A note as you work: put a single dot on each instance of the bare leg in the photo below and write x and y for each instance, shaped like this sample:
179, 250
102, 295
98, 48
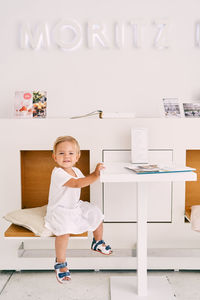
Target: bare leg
98, 233
61, 243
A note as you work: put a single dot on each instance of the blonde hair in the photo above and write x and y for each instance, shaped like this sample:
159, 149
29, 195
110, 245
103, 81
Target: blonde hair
66, 138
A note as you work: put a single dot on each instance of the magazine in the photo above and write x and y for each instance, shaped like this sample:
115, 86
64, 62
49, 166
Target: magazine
153, 169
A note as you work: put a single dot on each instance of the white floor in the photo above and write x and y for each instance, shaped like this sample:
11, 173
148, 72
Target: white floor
85, 285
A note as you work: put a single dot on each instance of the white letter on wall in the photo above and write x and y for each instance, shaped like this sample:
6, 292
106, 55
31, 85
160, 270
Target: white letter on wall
72, 38
136, 26
197, 35
161, 39
119, 35
36, 40
97, 32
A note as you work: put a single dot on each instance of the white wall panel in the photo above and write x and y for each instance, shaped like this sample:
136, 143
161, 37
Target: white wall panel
120, 198
129, 79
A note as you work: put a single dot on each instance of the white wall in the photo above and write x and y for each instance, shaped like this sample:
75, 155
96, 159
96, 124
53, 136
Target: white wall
85, 79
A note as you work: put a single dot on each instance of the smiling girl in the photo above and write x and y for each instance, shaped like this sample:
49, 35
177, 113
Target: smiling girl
66, 213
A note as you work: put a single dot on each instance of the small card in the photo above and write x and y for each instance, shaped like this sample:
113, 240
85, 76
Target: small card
191, 110
172, 107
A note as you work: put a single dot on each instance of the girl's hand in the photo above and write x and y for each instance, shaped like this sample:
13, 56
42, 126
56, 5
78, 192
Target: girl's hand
98, 168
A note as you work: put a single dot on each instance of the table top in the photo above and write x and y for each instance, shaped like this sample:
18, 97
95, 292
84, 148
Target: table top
116, 172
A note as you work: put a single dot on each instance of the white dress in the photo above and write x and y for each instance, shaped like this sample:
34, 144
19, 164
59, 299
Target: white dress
66, 213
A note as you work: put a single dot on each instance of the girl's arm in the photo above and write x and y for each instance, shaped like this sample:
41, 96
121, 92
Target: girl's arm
85, 181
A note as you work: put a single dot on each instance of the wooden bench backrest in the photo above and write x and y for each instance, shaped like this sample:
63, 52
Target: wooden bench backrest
36, 168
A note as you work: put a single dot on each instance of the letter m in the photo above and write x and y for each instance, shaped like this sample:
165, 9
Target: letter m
37, 39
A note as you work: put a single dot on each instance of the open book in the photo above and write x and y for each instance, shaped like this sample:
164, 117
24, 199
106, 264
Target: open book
152, 169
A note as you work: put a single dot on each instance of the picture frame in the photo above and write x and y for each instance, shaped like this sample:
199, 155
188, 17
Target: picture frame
39, 104
191, 110
172, 108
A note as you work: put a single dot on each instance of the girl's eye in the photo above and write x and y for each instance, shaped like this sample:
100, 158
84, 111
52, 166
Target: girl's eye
71, 153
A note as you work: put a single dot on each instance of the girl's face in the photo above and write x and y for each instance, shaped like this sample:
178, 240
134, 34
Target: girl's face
66, 155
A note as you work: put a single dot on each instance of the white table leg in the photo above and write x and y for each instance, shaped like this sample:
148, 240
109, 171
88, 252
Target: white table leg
132, 288
142, 196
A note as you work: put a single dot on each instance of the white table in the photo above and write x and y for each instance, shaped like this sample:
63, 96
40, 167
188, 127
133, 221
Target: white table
131, 288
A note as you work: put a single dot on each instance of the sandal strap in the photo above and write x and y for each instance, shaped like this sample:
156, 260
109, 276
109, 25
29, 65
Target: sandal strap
60, 265
63, 274
108, 247
98, 243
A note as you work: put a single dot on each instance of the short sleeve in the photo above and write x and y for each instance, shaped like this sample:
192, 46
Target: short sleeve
60, 177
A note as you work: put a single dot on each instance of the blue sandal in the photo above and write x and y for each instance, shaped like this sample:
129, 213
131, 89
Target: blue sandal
100, 246
62, 275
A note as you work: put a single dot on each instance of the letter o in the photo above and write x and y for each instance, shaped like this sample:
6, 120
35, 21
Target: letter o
74, 27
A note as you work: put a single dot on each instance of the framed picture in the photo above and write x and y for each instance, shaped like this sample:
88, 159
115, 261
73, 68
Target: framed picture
172, 107
23, 104
39, 104
191, 110
30, 104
